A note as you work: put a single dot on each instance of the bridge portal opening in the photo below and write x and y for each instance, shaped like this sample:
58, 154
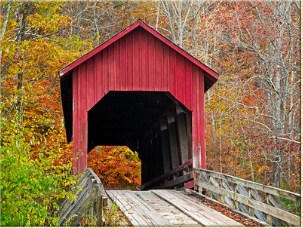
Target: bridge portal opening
154, 124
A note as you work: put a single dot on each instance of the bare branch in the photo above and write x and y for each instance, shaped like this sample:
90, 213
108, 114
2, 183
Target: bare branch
286, 139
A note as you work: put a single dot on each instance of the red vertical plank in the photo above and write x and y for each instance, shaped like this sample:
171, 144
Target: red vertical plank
180, 78
90, 83
183, 78
105, 74
83, 134
195, 121
94, 76
199, 153
144, 61
99, 86
110, 67
199, 149
136, 61
75, 120
165, 74
202, 120
96, 87
78, 121
172, 75
110, 64
162, 67
122, 68
188, 84
116, 65
129, 61
158, 65
148, 64
139, 60
151, 63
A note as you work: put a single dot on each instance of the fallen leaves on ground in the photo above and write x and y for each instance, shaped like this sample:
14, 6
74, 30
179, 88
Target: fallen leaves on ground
233, 215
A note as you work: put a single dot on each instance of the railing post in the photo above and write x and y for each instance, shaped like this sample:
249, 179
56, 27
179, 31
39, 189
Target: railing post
250, 209
90, 200
268, 217
99, 210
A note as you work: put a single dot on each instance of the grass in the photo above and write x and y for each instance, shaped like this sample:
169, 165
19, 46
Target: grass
291, 206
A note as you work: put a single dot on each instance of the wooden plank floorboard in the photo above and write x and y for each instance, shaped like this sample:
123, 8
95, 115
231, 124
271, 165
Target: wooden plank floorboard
136, 209
127, 209
201, 207
204, 210
146, 210
164, 194
132, 210
166, 208
201, 213
167, 211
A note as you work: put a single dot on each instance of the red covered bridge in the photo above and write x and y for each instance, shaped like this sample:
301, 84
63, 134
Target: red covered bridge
140, 90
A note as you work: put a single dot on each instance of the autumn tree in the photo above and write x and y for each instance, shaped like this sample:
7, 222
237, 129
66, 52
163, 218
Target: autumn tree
259, 44
99, 21
117, 166
35, 161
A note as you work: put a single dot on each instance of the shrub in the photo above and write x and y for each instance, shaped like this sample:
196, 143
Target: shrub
31, 185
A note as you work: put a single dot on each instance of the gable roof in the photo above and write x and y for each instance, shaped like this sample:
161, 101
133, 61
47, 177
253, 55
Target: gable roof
212, 75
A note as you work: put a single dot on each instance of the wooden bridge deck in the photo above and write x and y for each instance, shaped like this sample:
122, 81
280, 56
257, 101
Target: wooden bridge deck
167, 208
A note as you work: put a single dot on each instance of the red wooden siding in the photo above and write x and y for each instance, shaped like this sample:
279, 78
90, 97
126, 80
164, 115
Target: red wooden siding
123, 67
140, 60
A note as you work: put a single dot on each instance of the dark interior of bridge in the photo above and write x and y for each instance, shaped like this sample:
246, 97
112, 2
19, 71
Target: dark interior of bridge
122, 118
146, 122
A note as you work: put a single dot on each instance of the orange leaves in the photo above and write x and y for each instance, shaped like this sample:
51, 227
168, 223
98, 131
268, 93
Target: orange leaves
117, 167
30, 67
262, 169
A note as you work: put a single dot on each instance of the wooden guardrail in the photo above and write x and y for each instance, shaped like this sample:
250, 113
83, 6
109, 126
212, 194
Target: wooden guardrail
91, 198
172, 178
255, 200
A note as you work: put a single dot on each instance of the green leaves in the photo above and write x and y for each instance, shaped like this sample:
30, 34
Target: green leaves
31, 186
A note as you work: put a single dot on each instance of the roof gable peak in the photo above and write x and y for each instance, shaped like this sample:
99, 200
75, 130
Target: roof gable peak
212, 75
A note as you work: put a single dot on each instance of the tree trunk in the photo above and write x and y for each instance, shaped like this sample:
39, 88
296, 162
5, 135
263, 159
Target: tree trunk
220, 142
20, 38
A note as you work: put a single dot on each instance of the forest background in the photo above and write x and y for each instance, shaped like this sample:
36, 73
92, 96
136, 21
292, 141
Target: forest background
252, 112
